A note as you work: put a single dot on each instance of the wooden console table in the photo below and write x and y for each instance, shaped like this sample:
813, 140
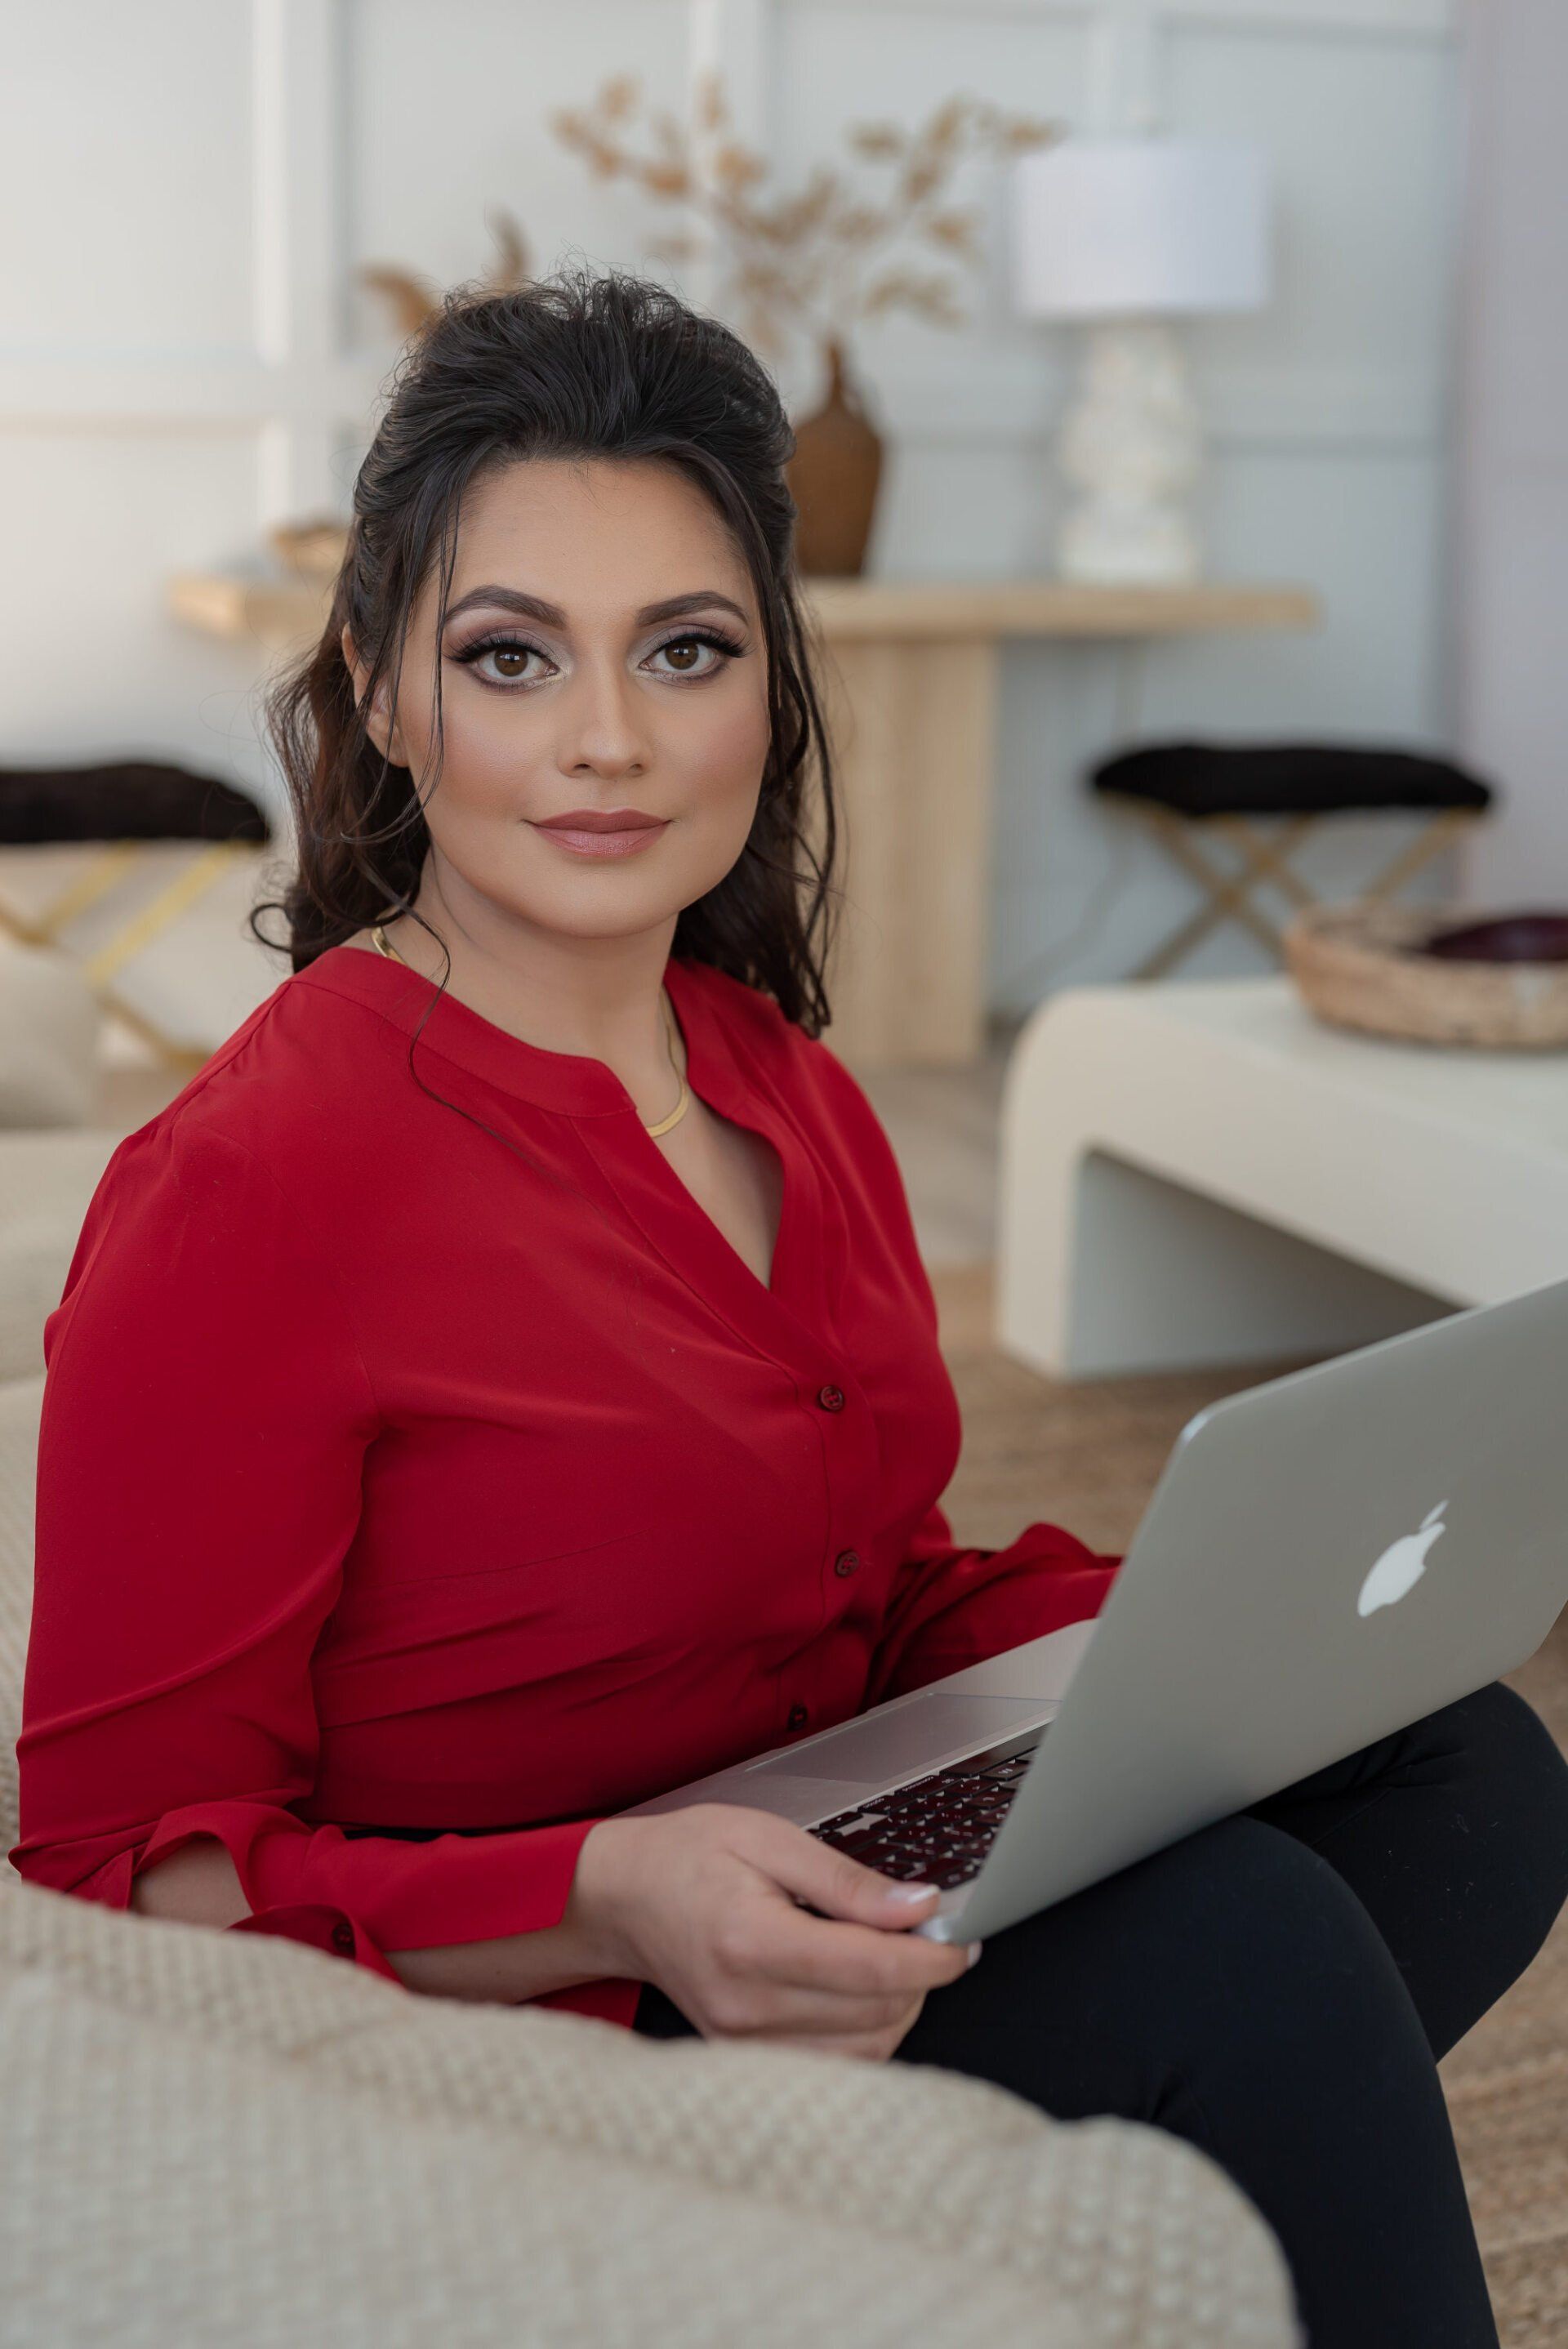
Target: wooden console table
910, 687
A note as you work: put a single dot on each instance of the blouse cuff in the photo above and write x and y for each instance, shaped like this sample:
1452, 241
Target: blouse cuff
403, 1896
360, 1896
321, 1926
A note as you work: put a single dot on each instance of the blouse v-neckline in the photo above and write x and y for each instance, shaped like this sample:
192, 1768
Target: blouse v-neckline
587, 1090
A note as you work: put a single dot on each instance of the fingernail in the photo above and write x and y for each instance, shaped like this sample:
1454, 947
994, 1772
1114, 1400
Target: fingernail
974, 1949
910, 1892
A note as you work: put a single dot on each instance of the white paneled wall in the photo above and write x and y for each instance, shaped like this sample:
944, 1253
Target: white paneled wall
1512, 590
186, 188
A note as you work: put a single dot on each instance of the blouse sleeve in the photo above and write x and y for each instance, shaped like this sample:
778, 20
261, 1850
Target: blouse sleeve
951, 1606
206, 1414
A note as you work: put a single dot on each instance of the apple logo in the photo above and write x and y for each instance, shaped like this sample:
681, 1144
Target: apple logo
1401, 1566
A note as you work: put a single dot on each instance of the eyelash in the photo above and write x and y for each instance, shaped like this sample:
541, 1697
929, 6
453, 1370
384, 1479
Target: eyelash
713, 637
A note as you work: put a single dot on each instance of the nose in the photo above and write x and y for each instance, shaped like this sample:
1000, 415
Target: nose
603, 727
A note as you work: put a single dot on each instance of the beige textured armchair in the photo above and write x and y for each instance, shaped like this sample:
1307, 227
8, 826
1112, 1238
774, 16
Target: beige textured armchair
225, 2138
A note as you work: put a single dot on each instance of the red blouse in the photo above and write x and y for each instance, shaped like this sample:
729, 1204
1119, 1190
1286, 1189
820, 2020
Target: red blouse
406, 1465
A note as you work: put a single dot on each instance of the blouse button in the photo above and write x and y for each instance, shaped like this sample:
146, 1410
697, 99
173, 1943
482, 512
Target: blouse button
831, 1398
343, 1938
798, 1717
846, 1563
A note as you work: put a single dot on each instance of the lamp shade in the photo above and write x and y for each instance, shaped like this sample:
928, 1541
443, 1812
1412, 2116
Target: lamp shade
1109, 228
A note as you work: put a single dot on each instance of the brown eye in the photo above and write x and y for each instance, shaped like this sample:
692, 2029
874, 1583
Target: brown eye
508, 651
685, 654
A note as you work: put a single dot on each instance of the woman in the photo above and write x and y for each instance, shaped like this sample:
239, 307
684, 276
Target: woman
504, 1383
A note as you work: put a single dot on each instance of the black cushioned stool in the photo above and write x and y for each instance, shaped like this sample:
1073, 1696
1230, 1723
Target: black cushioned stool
1187, 791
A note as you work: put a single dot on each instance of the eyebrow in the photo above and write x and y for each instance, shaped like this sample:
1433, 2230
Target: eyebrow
551, 616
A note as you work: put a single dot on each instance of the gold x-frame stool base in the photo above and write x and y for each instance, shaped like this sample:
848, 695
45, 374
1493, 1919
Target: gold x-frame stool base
1262, 859
102, 874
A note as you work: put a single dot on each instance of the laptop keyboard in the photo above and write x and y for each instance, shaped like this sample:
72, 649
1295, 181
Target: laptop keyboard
938, 1829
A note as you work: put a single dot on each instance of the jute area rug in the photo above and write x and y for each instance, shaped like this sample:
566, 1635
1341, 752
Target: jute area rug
1088, 1457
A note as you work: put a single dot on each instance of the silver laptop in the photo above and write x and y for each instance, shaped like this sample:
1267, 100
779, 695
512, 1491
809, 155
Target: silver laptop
1325, 1559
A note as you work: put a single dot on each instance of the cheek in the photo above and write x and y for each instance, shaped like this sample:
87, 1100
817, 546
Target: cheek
487, 762
725, 755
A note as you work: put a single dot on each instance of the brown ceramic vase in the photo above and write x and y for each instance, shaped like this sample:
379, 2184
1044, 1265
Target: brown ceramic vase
833, 478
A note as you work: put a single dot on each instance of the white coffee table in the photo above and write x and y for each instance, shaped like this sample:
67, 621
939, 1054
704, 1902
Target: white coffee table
1200, 1173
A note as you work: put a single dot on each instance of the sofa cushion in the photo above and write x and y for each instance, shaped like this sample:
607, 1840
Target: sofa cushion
170, 2190
1124, 2237
46, 1181
21, 1405
50, 1025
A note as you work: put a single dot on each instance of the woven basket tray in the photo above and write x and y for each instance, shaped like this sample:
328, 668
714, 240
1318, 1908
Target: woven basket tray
1357, 965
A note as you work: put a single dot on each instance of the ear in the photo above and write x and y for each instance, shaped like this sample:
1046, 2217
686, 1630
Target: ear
388, 739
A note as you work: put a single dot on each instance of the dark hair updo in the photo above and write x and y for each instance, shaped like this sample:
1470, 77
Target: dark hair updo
578, 365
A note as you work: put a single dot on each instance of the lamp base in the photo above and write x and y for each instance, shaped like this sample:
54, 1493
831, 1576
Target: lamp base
1133, 443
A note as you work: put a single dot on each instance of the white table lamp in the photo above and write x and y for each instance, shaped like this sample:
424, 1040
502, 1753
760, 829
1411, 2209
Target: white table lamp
1123, 233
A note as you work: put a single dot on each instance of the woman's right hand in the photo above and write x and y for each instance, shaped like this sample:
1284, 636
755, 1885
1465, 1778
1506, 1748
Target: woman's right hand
704, 1902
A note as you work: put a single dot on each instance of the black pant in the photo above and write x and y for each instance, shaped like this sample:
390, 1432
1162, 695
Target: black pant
1276, 1989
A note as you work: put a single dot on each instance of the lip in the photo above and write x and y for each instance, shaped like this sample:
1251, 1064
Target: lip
603, 831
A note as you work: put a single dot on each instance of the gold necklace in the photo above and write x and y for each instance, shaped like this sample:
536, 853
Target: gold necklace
384, 946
